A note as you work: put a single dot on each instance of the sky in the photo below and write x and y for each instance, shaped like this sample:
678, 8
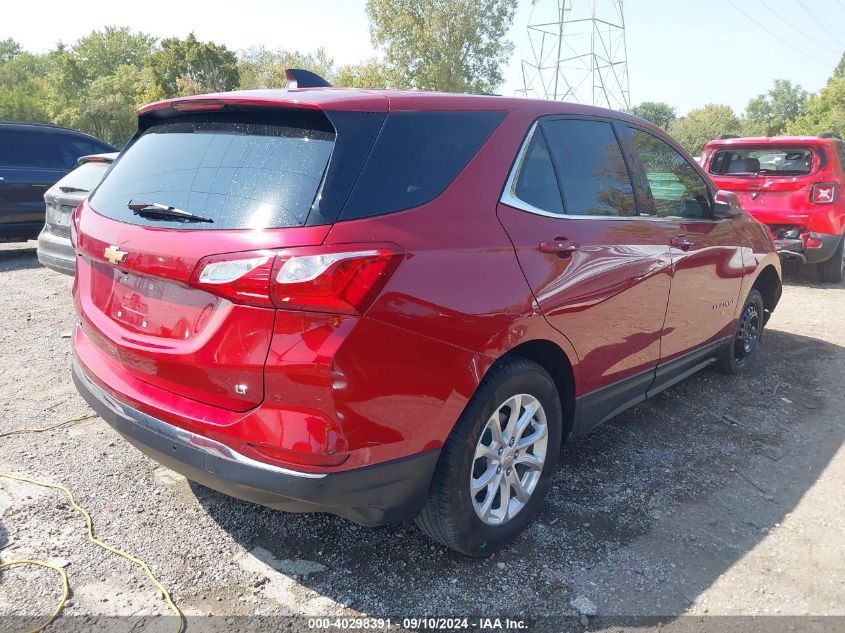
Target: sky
685, 52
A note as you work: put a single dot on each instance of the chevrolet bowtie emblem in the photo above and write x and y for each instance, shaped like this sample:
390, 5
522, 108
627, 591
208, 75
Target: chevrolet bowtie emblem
114, 255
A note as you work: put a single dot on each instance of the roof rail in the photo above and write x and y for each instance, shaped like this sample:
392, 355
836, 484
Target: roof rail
298, 78
724, 137
830, 135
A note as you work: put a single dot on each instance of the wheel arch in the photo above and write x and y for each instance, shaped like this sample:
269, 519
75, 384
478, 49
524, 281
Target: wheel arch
554, 360
768, 284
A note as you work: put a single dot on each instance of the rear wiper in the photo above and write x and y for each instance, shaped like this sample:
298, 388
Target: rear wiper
157, 210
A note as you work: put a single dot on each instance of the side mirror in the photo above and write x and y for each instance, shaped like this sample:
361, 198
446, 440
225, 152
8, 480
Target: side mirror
726, 205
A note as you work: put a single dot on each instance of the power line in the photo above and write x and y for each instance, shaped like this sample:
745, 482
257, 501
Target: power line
776, 36
790, 24
819, 22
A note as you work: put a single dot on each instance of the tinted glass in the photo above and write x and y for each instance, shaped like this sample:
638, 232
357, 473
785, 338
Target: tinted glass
85, 177
537, 183
677, 188
749, 161
840, 149
241, 175
415, 157
70, 148
593, 177
20, 148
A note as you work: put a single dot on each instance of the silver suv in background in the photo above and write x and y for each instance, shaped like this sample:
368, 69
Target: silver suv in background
54, 248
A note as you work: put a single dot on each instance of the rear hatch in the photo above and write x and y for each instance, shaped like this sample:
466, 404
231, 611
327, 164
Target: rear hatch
773, 183
63, 197
255, 177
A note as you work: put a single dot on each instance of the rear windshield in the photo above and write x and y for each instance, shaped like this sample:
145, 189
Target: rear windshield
748, 161
241, 175
85, 177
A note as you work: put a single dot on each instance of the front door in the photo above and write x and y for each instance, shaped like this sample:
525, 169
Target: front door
599, 270
706, 254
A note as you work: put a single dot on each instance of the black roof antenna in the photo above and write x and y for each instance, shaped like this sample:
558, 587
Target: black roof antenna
298, 78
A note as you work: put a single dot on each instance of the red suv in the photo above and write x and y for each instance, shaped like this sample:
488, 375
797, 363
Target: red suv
396, 305
792, 184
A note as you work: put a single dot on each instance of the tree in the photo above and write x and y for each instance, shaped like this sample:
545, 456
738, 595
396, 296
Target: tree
825, 111
264, 68
704, 124
839, 71
9, 49
183, 67
23, 86
102, 53
96, 84
371, 73
456, 46
659, 113
769, 114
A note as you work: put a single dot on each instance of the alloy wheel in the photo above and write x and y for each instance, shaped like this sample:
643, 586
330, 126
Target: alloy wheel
509, 459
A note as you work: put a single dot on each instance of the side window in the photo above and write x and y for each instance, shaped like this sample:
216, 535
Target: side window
536, 183
415, 157
70, 148
21, 148
592, 173
676, 187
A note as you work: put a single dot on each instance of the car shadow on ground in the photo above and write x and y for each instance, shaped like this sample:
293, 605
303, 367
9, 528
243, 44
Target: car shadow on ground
18, 257
644, 514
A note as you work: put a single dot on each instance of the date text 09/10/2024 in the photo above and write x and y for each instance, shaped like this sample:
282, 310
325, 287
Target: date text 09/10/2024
434, 624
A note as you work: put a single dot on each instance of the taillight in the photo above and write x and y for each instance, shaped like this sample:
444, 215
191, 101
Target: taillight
340, 279
823, 193
74, 226
238, 277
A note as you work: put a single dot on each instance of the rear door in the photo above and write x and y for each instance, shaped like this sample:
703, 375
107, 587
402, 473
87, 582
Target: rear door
707, 268
256, 177
599, 270
29, 165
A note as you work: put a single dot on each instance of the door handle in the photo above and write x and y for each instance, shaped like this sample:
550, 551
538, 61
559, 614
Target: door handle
559, 246
681, 242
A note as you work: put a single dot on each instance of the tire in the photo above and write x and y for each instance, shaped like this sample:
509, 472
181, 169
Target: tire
739, 351
830, 270
452, 513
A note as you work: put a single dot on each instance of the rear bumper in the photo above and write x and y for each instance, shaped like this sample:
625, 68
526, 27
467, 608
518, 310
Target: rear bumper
374, 495
794, 249
56, 252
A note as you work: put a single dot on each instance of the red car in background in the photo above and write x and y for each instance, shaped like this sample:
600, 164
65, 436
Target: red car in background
793, 184
396, 305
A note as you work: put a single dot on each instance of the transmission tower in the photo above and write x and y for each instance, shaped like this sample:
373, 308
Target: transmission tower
575, 51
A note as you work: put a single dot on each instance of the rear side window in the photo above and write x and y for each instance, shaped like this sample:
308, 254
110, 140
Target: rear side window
85, 177
70, 148
415, 157
537, 183
677, 189
749, 161
241, 175
840, 148
593, 176
20, 148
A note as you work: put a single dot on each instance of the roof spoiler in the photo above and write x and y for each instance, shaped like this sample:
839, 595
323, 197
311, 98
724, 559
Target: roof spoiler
298, 78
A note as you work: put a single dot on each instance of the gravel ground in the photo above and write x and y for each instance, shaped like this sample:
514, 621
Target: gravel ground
721, 496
